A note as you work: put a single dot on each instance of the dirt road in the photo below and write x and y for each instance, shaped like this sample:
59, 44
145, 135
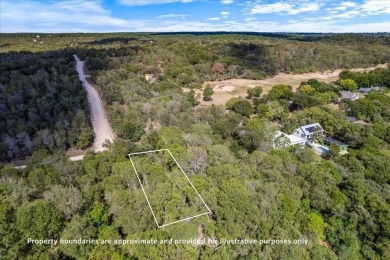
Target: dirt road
226, 89
100, 124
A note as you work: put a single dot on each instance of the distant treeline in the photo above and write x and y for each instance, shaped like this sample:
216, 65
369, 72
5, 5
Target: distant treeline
301, 36
189, 61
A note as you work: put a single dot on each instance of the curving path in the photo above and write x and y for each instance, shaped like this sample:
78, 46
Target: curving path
100, 124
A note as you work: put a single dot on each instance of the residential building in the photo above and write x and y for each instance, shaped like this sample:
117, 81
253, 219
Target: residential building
283, 140
348, 95
365, 91
310, 132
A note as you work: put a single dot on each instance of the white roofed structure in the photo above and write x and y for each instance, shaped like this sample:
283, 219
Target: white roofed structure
308, 131
283, 140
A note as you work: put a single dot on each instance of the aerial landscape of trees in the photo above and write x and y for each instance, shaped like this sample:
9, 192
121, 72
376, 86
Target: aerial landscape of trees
42, 104
340, 204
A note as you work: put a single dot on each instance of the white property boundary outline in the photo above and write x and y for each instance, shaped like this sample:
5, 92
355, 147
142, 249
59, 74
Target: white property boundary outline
150, 207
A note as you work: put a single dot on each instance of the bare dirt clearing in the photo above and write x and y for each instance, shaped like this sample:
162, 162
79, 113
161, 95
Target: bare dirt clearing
226, 89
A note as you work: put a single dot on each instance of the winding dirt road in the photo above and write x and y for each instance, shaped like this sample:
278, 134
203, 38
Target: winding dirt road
100, 124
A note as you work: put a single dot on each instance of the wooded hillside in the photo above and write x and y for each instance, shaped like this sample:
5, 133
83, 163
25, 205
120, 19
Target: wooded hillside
340, 204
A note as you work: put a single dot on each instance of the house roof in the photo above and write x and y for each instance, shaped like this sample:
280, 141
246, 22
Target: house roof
366, 90
334, 141
309, 129
348, 95
293, 139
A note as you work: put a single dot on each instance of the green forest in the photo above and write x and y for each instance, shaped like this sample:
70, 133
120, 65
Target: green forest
340, 204
42, 104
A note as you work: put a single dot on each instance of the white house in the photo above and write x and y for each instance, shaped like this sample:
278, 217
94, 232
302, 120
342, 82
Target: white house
282, 140
307, 131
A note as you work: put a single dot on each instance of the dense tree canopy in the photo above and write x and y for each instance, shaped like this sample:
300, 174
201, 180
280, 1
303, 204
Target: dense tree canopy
42, 104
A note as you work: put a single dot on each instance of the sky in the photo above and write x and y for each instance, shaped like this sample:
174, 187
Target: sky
58, 16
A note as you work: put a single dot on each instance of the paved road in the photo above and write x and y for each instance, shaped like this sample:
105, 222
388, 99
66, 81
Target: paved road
100, 124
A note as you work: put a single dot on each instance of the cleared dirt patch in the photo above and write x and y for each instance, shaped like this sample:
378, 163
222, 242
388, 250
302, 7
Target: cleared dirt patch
226, 89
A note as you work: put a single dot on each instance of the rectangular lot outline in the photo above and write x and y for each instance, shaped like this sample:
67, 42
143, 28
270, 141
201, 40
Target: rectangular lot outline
142, 187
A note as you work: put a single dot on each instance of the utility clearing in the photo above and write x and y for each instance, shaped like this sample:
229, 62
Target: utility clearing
226, 89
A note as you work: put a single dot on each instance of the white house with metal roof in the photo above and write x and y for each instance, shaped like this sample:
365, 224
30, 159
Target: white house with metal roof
308, 131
